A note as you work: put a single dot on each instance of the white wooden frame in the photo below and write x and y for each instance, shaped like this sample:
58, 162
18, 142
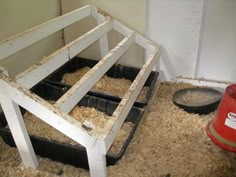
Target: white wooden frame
14, 92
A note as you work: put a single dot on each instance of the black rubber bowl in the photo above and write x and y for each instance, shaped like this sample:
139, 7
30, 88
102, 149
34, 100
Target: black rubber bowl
197, 100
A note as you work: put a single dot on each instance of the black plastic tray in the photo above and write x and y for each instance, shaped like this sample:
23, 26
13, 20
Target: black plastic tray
200, 107
116, 71
72, 154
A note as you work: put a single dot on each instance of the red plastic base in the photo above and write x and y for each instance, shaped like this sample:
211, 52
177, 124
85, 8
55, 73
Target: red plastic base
217, 141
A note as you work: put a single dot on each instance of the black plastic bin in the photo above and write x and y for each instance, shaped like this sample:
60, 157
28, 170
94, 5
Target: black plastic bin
116, 71
72, 154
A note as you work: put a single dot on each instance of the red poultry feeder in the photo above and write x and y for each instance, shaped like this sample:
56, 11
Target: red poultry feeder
222, 130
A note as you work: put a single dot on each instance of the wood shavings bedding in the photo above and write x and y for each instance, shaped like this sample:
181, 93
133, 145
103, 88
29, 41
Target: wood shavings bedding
108, 85
196, 98
38, 128
169, 142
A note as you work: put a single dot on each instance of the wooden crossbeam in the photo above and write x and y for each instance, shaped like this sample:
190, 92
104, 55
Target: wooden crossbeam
40, 70
46, 112
4, 71
139, 39
97, 141
119, 27
75, 93
114, 124
29, 37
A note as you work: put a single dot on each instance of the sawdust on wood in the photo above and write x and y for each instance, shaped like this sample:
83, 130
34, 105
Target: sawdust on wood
92, 115
39, 128
168, 142
108, 85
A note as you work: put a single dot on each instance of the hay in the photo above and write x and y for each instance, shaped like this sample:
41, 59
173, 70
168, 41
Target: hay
112, 86
169, 142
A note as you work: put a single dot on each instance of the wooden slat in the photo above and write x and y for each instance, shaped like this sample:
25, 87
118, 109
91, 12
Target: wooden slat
103, 41
39, 71
4, 71
140, 39
71, 97
119, 115
97, 163
19, 132
27, 38
119, 27
46, 112
145, 43
97, 141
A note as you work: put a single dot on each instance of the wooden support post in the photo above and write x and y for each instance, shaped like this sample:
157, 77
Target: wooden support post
97, 163
104, 48
151, 100
46, 112
19, 132
103, 41
148, 52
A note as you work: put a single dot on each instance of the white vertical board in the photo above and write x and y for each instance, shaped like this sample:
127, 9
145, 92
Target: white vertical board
175, 24
218, 49
19, 132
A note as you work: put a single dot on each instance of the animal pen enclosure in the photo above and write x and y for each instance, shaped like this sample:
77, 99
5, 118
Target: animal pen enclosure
14, 92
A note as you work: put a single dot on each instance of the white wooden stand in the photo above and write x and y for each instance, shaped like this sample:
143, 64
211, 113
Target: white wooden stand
15, 91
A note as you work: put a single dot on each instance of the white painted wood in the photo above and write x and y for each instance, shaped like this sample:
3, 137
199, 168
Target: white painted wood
19, 132
148, 52
96, 141
146, 43
97, 163
218, 55
118, 26
21, 19
75, 93
39, 71
175, 24
4, 71
25, 39
204, 82
119, 115
139, 39
103, 41
46, 112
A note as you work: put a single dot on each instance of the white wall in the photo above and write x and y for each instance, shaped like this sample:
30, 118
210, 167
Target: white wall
175, 24
132, 13
217, 58
17, 16
198, 37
